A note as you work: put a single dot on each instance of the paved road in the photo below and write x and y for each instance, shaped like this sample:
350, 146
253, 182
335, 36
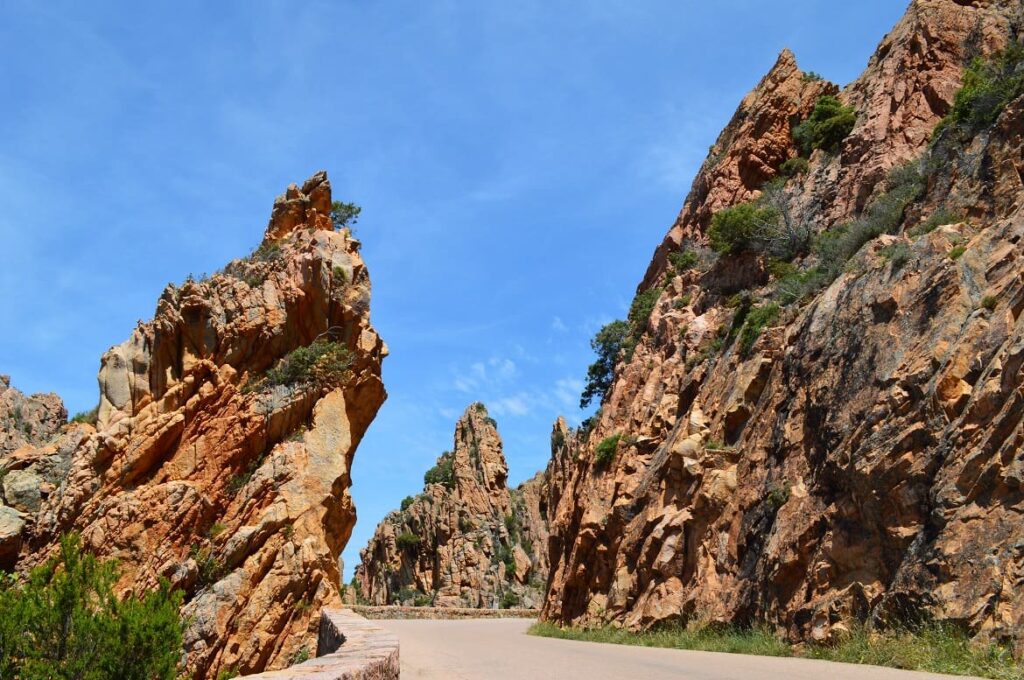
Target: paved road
500, 649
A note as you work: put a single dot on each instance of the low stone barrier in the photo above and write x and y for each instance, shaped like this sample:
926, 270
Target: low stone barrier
397, 612
349, 648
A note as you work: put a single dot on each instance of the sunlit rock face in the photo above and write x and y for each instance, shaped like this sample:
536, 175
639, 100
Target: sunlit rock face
466, 540
863, 456
203, 471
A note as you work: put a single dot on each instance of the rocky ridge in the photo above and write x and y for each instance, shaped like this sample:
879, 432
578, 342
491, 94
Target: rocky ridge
467, 540
225, 435
860, 455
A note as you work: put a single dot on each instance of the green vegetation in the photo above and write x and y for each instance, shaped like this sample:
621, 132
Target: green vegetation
827, 126
215, 530
227, 674
897, 253
406, 502
640, 311
322, 363
504, 555
407, 541
811, 77
338, 274
211, 568
933, 647
509, 600
989, 302
757, 641
934, 221
268, 252
988, 86
604, 452
609, 343
443, 473
756, 320
89, 417
794, 166
884, 215
683, 260
778, 494
422, 600
301, 656
738, 228
65, 622
344, 214
957, 252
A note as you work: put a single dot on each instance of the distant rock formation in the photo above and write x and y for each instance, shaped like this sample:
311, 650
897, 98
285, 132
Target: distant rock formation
467, 540
806, 459
226, 429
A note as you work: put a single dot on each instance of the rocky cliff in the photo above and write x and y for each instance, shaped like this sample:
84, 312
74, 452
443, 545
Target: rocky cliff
834, 434
225, 435
467, 540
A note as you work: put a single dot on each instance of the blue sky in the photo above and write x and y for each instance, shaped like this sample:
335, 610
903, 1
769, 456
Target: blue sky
517, 163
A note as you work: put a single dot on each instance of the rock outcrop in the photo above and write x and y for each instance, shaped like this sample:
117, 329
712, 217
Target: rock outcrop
861, 454
225, 436
467, 540
27, 420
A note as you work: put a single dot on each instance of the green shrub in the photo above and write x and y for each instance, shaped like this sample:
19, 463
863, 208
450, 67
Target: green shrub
268, 252
897, 253
344, 214
338, 274
935, 220
957, 252
65, 621
443, 472
811, 77
301, 656
604, 452
509, 600
884, 215
504, 555
322, 363
422, 600
989, 302
211, 568
828, 125
512, 525
738, 228
406, 502
756, 320
215, 530
89, 417
609, 344
794, 166
794, 286
778, 495
407, 541
640, 311
683, 260
988, 86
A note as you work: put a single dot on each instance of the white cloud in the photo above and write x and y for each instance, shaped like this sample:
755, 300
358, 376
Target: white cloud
558, 325
517, 405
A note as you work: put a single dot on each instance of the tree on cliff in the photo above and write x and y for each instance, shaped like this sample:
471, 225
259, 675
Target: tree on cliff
608, 343
344, 214
65, 622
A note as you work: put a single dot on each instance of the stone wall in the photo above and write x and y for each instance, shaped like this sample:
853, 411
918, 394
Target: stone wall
349, 648
399, 612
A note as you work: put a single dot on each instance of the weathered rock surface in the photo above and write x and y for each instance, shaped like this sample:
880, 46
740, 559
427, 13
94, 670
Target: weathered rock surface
864, 458
467, 540
233, 487
27, 420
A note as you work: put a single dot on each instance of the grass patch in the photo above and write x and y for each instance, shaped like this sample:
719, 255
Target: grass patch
936, 648
761, 642
957, 252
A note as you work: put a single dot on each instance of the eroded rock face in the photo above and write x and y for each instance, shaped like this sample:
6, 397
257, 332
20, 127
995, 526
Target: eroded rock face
466, 541
863, 458
233, 487
27, 420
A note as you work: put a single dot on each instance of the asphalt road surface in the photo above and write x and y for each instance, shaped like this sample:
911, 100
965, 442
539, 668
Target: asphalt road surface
500, 649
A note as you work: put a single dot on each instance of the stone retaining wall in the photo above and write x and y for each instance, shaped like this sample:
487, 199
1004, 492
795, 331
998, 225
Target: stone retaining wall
396, 612
349, 648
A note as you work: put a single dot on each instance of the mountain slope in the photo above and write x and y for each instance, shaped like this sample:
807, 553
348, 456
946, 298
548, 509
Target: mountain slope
833, 433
